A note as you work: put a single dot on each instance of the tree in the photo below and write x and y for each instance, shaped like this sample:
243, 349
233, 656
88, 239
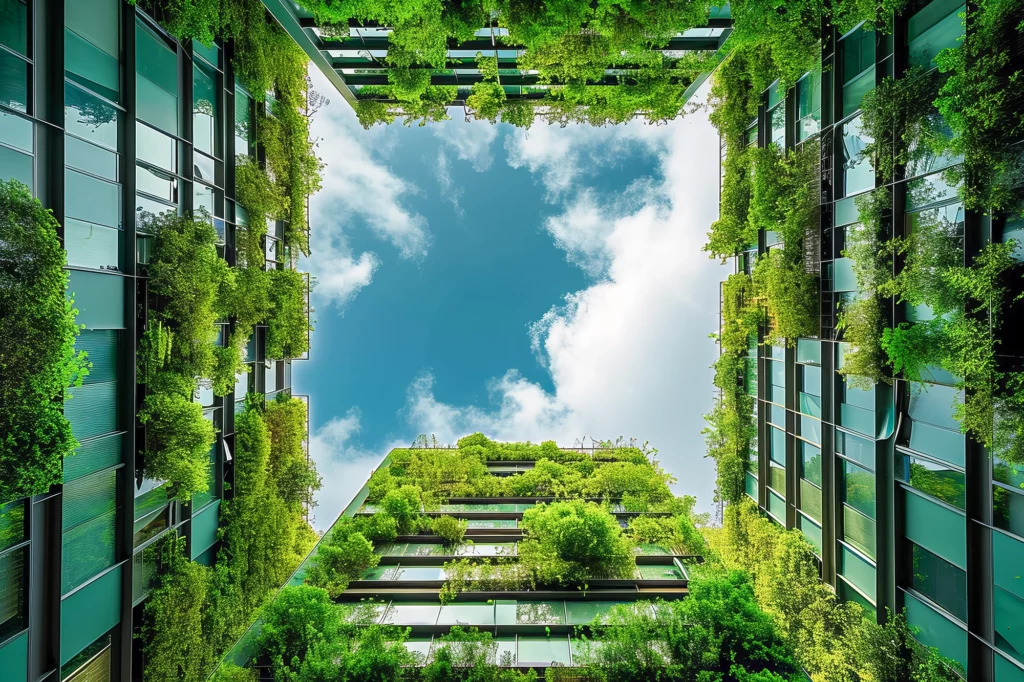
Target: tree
344, 555
37, 347
449, 529
404, 505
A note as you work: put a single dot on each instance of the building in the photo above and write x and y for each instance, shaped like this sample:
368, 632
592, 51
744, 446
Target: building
854, 468
532, 628
104, 115
355, 59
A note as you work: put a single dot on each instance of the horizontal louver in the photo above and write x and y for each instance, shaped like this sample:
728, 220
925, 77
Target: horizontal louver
92, 409
101, 347
93, 455
89, 497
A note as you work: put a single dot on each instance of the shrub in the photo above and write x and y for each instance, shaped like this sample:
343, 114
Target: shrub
790, 296
403, 504
343, 557
449, 529
178, 442
288, 326
37, 356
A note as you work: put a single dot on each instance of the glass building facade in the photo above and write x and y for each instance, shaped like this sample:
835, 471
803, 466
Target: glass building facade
903, 510
105, 117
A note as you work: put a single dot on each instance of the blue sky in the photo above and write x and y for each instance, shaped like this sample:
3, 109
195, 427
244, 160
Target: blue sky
532, 285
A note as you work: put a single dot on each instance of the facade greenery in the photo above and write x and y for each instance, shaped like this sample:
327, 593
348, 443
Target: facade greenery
38, 360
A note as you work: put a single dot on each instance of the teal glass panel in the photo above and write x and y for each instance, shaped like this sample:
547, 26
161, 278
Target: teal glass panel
854, 91
940, 581
91, 67
808, 102
543, 651
933, 29
809, 377
843, 278
660, 572
855, 448
92, 456
750, 485
92, 409
808, 350
1008, 509
155, 148
810, 499
809, 428
243, 125
583, 612
937, 480
858, 488
929, 190
774, 94
88, 549
1005, 670
14, 654
938, 442
89, 158
16, 132
203, 200
92, 200
858, 53
157, 183
204, 109
1008, 617
857, 172
936, 528
777, 507
777, 125
88, 498
144, 208
778, 372
90, 118
848, 594
204, 168
14, 82
92, 246
211, 53
935, 630
150, 501
1007, 562
777, 416
418, 573
777, 448
858, 571
933, 404
857, 419
12, 524
540, 612
89, 613
811, 531
461, 614
810, 405
157, 81
421, 613
846, 212
16, 165
810, 458
13, 592
858, 397
859, 530
97, 21
99, 299
777, 478
14, 29
204, 529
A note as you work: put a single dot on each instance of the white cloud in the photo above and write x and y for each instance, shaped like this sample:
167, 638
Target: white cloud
358, 189
450, 192
564, 156
470, 141
629, 355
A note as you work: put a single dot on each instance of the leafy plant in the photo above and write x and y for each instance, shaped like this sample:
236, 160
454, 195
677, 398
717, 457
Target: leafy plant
789, 295
38, 360
178, 442
449, 529
288, 326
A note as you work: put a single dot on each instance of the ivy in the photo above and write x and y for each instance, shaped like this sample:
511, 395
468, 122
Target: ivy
37, 347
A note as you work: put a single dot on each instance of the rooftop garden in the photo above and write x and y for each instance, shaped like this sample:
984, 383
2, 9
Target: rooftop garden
596, 63
38, 360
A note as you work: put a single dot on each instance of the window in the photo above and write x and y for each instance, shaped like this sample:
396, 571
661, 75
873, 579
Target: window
858, 175
808, 105
777, 477
939, 580
14, 27
13, 591
92, 46
156, 81
810, 458
859, 530
243, 127
858, 68
933, 29
858, 488
855, 448
810, 499
811, 531
777, 446
205, 108
858, 571
933, 478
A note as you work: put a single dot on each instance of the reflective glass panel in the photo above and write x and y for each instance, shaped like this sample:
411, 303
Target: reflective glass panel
14, 84
204, 109
859, 488
940, 581
857, 172
90, 118
937, 480
92, 246
157, 82
14, 25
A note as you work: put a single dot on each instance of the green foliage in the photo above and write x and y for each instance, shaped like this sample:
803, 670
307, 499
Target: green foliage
982, 102
784, 194
37, 347
178, 442
342, 557
898, 119
789, 295
404, 505
449, 529
717, 632
288, 326
262, 201
468, 655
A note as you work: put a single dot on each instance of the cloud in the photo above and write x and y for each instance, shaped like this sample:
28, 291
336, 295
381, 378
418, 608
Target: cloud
359, 191
343, 466
450, 192
561, 157
628, 355
469, 141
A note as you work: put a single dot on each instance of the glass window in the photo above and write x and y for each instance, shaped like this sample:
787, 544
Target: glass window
859, 530
750, 484
14, 25
935, 527
540, 612
155, 148
858, 488
12, 524
778, 372
204, 168
810, 499
937, 480
92, 246
858, 571
243, 104
412, 614
466, 614
1008, 509
934, 630
777, 415
543, 650
156, 183
777, 507
810, 457
777, 477
933, 29
858, 68
847, 593
929, 190
778, 445
939, 580
809, 351
13, 592
92, 200
808, 103
931, 440
777, 125
14, 84
857, 172
204, 109
157, 81
1008, 672
809, 377
856, 448
92, 46
203, 199
15, 165
809, 428
89, 158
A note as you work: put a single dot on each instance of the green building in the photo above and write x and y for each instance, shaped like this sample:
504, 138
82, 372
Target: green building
904, 510
104, 116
